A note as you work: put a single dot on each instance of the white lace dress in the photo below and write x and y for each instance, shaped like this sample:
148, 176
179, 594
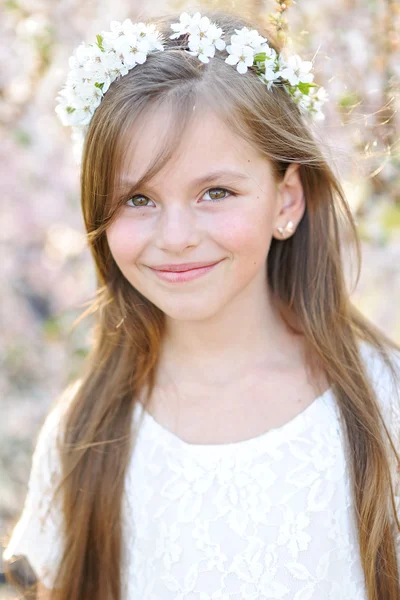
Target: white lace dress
267, 518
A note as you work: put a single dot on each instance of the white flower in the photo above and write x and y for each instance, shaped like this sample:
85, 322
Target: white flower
200, 27
77, 77
204, 36
203, 49
270, 54
116, 29
241, 56
206, 32
249, 37
297, 70
156, 42
186, 22
93, 67
281, 64
269, 66
268, 76
149, 34
104, 67
321, 96
131, 50
90, 63
82, 54
88, 95
214, 36
131, 31
113, 67
303, 100
311, 102
318, 100
78, 109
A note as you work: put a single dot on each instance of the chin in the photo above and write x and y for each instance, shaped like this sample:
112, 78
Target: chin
188, 309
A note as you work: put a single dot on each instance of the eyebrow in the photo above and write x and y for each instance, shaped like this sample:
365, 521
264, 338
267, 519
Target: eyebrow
208, 178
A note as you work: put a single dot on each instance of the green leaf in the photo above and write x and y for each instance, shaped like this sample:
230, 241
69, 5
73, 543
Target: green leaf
69, 109
99, 85
99, 39
349, 99
260, 57
305, 87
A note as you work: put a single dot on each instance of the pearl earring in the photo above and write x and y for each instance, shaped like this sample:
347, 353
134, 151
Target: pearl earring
289, 227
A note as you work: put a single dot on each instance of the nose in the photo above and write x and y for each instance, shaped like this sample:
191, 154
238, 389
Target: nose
178, 228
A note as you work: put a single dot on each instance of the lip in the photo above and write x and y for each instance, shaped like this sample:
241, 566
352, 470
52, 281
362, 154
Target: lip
182, 276
183, 266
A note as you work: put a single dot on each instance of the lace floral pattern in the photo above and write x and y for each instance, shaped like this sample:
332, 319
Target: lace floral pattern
267, 518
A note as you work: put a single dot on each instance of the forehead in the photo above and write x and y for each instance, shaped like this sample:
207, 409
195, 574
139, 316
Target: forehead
206, 144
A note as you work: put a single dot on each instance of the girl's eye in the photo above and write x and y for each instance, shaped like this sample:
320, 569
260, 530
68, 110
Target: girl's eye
140, 203
139, 200
218, 192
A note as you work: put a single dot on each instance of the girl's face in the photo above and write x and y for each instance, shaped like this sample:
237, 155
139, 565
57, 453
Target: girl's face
214, 201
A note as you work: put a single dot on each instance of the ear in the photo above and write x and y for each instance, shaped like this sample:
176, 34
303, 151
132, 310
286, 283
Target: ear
290, 202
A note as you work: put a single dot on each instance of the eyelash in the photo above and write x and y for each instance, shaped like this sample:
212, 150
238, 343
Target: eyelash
210, 189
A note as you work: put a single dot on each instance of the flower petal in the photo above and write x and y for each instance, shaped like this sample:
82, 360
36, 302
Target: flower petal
232, 59
241, 67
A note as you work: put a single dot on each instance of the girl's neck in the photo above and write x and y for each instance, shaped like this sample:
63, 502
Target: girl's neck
222, 348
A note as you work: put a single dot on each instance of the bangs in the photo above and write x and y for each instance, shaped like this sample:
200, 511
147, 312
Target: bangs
179, 111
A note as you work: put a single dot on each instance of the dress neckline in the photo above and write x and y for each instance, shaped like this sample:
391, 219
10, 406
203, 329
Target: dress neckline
273, 436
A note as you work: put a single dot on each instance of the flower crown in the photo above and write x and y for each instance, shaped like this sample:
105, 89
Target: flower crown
95, 66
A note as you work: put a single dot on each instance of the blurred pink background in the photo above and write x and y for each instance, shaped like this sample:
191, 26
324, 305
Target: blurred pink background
46, 274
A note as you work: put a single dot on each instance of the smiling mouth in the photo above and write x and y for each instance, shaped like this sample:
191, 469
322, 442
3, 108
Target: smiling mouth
182, 276
178, 268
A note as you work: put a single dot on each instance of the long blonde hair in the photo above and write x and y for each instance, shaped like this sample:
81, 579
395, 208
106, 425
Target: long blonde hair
305, 273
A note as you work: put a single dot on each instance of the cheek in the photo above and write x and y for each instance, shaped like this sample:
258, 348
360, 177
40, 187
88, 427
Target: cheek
126, 240
246, 232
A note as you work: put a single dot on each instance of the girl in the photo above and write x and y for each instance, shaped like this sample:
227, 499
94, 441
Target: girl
233, 434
